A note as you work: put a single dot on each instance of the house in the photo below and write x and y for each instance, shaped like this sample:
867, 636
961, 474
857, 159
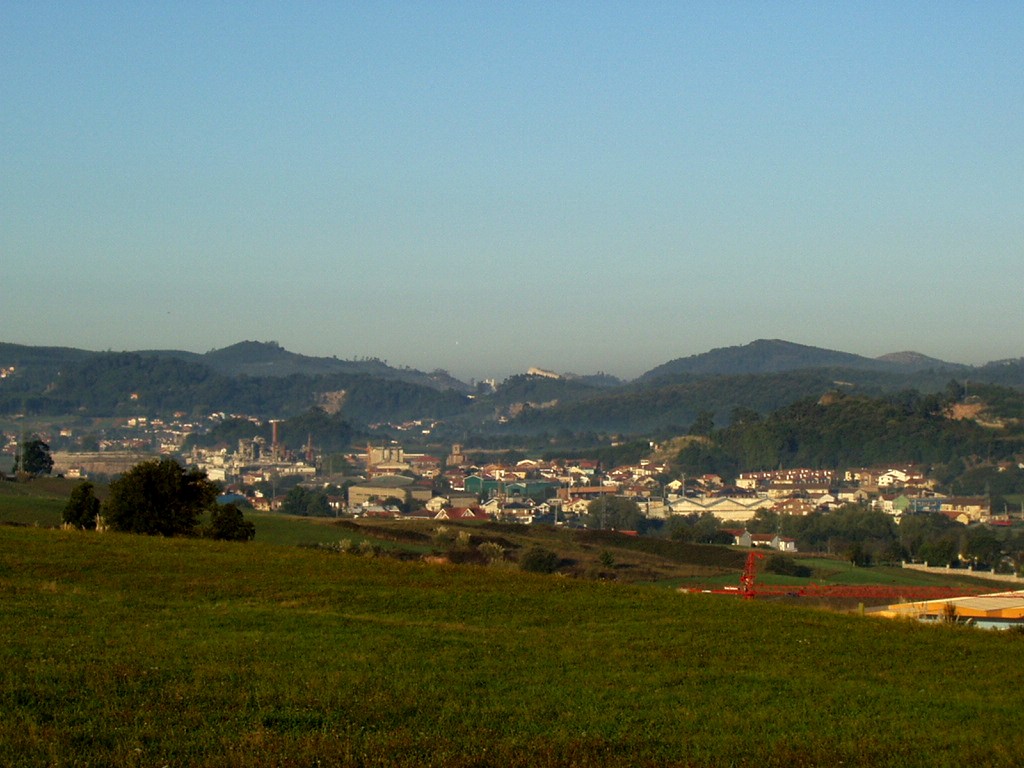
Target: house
425, 466
773, 541
965, 509
795, 505
588, 492
798, 477
740, 536
576, 506
674, 488
436, 504
380, 511
893, 477
518, 512
744, 538
462, 513
855, 496
379, 489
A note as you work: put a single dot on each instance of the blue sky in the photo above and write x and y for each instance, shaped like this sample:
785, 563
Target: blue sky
483, 187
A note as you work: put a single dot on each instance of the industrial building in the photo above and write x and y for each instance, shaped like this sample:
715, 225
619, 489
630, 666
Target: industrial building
999, 610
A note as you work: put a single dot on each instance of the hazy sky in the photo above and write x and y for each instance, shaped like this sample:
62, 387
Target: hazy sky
487, 186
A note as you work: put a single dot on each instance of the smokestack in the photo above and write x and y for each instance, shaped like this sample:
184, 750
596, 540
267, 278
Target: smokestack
275, 449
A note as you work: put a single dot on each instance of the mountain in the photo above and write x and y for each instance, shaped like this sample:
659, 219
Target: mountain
264, 379
270, 359
915, 361
251, 377
776, 356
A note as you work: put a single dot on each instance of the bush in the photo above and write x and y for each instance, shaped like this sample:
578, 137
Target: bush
227, 523
491, 551
784, 565
82, 508
539, 560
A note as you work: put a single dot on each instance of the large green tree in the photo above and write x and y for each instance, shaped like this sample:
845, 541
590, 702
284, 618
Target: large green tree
159, 498
305, 502
35, 458
616, 512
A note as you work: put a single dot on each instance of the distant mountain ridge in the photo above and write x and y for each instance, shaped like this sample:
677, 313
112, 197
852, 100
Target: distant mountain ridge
268, 358
916, 361
777, 356
264, 379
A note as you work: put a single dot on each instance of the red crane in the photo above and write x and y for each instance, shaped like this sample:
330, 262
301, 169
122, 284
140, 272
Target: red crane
749, 574
748, 588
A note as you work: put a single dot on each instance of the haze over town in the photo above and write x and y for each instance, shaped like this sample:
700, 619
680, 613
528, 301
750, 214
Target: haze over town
581, 187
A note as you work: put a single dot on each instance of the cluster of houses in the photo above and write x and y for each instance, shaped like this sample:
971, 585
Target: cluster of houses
395, 483
894, 490
392, 481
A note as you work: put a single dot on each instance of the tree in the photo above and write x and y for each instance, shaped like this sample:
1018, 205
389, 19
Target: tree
83, 507
616, 512
227, 523
704, 424
35, 458
306, 503
954, 391
707, 529
159, 498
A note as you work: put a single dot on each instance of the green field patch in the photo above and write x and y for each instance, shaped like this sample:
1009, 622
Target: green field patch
124, 650
37, 502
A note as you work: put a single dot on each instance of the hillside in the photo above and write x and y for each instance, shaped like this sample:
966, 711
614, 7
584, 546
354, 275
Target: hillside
264, 380
852, 431
775, 356
128, 383
263, 359
127, 650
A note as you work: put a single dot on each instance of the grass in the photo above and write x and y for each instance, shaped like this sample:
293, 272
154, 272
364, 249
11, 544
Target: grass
132, 651
38, 502
1015, 501
41, 501
636, 560
284, 530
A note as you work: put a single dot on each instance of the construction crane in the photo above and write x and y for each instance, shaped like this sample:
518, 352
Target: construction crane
749, 574
748, 589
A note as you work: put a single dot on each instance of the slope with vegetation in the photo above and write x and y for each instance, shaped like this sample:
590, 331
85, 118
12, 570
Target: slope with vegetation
848, 431
775, 356
127, 651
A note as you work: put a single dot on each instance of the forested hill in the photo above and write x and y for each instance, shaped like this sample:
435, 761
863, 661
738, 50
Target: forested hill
852, 431
38, 367
269, 359
672, 404
128, 383
775, 356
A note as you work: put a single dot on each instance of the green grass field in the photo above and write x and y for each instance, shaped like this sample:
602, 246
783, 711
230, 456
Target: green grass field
38, 502
136, 651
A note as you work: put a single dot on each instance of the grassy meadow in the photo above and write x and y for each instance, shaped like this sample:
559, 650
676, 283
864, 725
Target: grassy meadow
136, 651
38, 502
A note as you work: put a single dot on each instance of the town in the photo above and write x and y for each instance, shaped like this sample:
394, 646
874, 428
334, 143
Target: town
383, 480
